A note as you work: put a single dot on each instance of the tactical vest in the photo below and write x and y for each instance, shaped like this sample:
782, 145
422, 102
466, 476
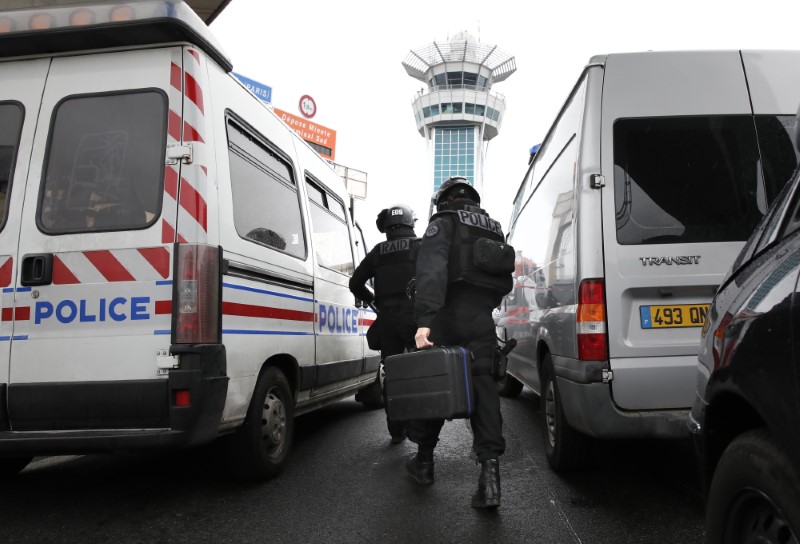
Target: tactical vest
394, 265
471, 225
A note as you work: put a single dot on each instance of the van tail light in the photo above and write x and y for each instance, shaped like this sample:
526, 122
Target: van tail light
196, 296
591, 321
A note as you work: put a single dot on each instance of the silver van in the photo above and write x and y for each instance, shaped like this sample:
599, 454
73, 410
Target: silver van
654, 173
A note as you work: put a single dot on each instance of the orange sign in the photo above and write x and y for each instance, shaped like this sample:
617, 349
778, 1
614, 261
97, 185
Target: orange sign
323, 139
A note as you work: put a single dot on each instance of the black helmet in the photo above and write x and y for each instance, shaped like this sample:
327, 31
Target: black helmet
395, 216
455, 187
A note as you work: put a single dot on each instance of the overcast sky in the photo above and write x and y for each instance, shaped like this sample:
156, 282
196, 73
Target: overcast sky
348, 56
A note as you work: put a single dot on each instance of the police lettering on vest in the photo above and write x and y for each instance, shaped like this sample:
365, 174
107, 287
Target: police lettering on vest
475, 219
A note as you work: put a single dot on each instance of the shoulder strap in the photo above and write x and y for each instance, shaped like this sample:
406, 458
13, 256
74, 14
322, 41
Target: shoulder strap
444, 213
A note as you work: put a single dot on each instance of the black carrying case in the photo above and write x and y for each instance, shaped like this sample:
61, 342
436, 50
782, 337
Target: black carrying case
434, 383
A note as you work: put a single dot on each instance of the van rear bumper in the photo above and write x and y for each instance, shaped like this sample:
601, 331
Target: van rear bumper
87, 417
588, 408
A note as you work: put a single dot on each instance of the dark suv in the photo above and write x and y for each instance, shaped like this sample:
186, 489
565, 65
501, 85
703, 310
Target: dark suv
746, 417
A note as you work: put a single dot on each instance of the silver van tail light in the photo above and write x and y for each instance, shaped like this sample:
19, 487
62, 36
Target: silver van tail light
591, 321
197, 295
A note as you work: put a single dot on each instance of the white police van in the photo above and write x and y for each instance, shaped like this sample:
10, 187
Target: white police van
654, 173
174, 260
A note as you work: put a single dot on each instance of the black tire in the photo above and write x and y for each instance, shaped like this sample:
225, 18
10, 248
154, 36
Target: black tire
372, 395
566, 449
259, 449
11, 466
755, 493
508, 386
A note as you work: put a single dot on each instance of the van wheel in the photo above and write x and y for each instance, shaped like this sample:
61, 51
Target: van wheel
566, 449
508, 386
754, 493
259, 449
11, 466
372, 396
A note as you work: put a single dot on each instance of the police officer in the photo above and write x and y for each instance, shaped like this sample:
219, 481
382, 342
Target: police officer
462, 274
392, 264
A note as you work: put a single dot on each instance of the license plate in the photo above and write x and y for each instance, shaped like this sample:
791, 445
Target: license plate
679, 315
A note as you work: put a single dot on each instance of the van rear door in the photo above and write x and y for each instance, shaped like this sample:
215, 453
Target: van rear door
93, 291
20, 97
684, 190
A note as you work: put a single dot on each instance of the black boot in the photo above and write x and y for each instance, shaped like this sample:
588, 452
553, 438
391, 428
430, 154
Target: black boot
420, 467
488, 493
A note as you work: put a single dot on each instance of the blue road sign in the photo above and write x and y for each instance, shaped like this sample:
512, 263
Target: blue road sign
263, 92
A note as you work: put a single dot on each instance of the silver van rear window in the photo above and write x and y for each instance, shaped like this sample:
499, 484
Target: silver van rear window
696, 179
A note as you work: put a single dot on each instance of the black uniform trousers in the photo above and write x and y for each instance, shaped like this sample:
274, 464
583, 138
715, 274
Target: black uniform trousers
397, 330
466, 320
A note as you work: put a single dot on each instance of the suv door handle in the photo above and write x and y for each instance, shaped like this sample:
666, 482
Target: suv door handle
37, 269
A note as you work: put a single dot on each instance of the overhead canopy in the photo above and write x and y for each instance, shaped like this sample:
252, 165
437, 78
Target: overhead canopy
206, 9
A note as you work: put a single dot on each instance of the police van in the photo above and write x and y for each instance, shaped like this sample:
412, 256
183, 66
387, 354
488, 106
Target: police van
174, 260
654, 173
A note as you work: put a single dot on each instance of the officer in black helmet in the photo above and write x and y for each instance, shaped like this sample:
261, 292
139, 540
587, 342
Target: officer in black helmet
392, 264
463, 271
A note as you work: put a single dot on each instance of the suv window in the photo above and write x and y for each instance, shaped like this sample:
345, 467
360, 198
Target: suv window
105, 163
792, 223
11, 120
766, 230
266, 205
687, 179
331, 239
778, 152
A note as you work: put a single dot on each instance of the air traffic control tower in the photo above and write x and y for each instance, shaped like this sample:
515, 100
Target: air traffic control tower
458, 113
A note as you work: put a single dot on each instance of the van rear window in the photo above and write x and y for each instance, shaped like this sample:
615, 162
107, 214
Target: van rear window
11, 121
695, 179
105, 163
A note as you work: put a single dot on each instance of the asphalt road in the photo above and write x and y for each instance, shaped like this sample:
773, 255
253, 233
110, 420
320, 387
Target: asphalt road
345, 483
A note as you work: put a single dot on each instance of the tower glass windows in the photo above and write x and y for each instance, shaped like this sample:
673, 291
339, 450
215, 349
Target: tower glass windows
454, 154
459, 80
